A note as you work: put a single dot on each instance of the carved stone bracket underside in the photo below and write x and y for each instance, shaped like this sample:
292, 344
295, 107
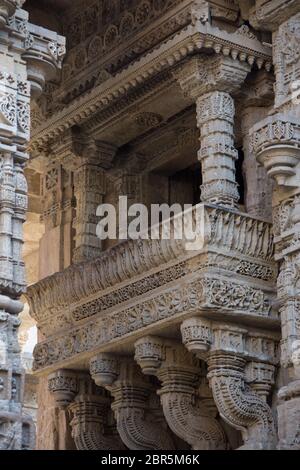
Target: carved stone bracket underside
241, 366
89, 410
140, 421
189, 282
187, 404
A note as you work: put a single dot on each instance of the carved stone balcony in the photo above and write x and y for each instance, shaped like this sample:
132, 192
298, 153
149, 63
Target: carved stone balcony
142, 287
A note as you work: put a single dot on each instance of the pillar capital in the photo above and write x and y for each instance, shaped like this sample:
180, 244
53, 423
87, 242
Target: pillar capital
63, 384
201, 75
275, 142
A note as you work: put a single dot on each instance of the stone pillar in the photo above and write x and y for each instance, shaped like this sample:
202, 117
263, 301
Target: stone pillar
187, 404
258, 186
256, 99
56, 244
241, 368
28, 55
210, 82
275, 142
140, 422
90, 181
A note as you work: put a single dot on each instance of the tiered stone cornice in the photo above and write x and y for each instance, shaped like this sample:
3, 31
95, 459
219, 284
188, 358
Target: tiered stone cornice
193, 38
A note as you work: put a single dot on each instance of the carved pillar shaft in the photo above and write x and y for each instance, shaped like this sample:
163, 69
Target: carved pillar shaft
258, 187
89, 190
211, 82
215, 118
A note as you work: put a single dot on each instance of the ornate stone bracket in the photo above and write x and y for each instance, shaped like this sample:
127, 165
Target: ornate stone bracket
139, 418
89, 409
90, 429
63, 384
239, 392
187, 413
275, 142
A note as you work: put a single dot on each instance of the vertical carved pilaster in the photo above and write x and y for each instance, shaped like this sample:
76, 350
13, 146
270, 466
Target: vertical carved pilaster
58, 209
257, 96
15, 94
275, 143
139, 418
239, 392
189, 415
90, 182
210, 82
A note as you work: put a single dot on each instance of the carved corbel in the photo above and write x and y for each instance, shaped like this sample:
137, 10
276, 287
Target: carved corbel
87, 410
63, 384
239, 387
92, 424
275, 142
189, 415
139, 418
44, 52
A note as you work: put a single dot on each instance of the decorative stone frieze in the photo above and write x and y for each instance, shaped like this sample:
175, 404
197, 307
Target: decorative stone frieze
101, 311
140, 422
187, 412
209, 82
223, 232
241, 375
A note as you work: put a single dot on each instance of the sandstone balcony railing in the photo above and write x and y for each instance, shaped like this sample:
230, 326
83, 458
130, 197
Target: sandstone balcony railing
142, 287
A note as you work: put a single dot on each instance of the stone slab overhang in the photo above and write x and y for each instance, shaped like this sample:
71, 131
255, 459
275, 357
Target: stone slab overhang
105, 104
142, 287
